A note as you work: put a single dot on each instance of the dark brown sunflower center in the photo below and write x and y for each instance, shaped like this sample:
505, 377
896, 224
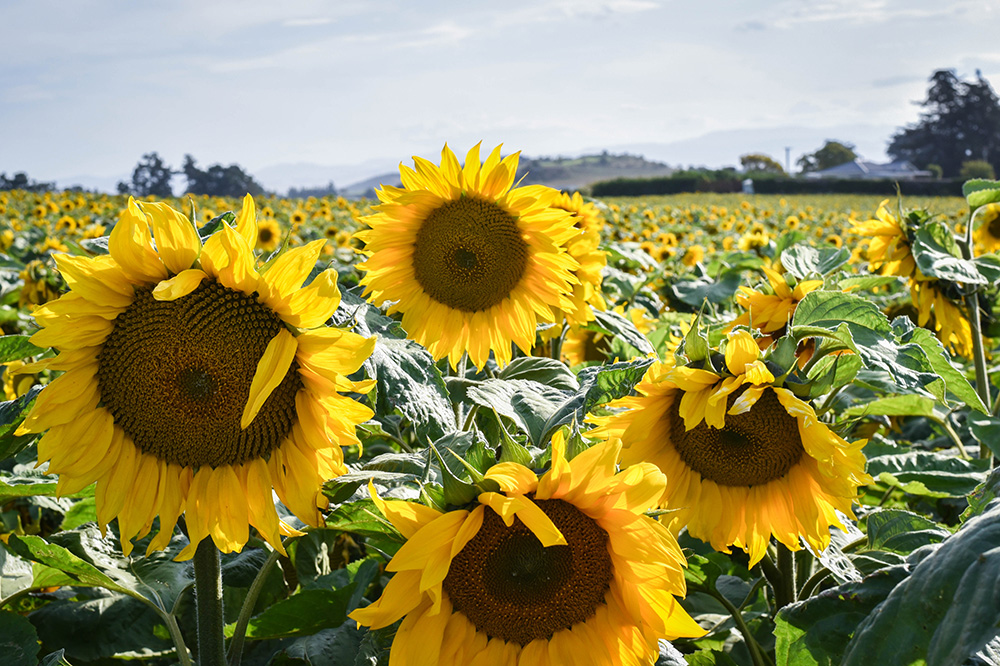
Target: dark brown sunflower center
469, 254
176, 376
994, 226
751, 449
511, 587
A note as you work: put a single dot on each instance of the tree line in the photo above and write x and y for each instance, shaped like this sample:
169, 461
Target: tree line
956, 136
152, 177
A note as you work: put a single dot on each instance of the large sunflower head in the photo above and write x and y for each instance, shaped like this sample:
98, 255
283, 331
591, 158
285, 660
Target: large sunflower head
195, 381
889, 244
771, 312
562, 569
745, 458
471, 263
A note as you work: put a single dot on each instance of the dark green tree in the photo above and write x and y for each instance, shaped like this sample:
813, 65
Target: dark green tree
219, 181
150, 177
960, 122
20, 181
760, 163
832, 153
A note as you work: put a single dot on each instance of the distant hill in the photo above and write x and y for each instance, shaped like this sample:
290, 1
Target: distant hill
562, 173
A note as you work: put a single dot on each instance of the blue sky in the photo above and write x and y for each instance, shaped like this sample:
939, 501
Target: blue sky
88, 86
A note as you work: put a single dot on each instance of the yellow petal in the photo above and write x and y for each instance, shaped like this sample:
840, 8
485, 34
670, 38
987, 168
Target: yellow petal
228, 258
180, 285
177, 240
246, 224
741, 351
513, 478
288, 272
99, 279
312, 305
271, 370
407, 517
131, 245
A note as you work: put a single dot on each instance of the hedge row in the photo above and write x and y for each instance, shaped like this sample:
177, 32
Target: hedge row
624, 187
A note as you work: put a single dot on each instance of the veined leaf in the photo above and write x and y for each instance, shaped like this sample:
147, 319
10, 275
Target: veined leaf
16, 347
805, 260
980, 192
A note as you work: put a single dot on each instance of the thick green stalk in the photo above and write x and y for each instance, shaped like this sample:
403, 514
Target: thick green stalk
208, 602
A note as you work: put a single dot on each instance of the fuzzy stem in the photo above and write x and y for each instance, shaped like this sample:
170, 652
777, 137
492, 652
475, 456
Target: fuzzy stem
978, 351
756, 653
208, 602
239, 635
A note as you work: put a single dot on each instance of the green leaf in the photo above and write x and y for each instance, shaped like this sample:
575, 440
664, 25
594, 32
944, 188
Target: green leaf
18, 640
815, 632
946, 610
980, 192
12, 487
866, 283
940, 361
57, 658
709, 658
543, 370
934, 250
714, 290
696, 342
929, 473
621, 327
897, 405
901, 531
805, 260
364, 519
329, 647
12, 412
527, 403
602, 384
36, 549
312, 610
107, 625
859, 325
986, 430
980, 498
16, 347
84, 511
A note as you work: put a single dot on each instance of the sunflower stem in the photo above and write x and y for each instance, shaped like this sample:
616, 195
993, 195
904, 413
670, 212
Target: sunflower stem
175, 635
208, 602
756, 652
786, 565
978, 352
953, 436
239, 635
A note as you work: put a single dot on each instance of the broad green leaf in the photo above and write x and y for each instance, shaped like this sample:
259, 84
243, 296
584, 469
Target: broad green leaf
696, 342
714, 290
901, 531
896, 405
708, 658
669, 656
815, 632
602, 384
986, 430
621, 327
859, 325
979, 192
12, 412
946, 610
57, 658
105, 626
803, 261
527, 403
929, 473
936, 257
328, 647
84, 511
12, 487
18, 640
16, 347
36, 549
364, 519
955, 382
408, 381
865, 283
543, 370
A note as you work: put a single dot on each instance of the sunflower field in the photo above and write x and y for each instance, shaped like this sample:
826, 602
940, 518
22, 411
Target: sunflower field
478, 423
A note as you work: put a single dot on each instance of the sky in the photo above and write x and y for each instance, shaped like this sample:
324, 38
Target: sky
88, 86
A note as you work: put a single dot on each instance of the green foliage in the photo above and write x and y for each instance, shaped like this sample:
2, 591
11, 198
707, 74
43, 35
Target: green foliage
758, 162
833, 153
977, 169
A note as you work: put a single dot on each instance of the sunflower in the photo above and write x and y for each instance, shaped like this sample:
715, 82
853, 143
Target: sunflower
693, 256
585, 249
190, 384
889, 246
949, 320
988, 233
268, 234
472, 264
581, 345
745, 459
770, 313
562, 569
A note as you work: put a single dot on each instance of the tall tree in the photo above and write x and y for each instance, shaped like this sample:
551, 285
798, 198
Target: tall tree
960, 122
833, 153
219, 181
150, 177
760, 163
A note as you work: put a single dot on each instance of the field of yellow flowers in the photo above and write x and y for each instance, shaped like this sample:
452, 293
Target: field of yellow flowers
477, 423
